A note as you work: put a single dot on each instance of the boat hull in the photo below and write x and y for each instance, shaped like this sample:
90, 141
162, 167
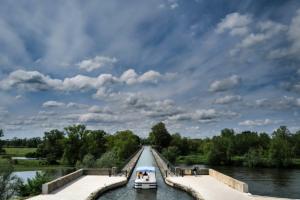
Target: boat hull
139, 185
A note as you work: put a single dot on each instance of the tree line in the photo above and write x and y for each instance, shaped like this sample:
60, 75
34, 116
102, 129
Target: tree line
247, 148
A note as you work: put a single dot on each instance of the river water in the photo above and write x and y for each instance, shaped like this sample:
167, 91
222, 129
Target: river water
163, 191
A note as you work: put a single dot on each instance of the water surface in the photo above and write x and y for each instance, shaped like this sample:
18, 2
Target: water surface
163, 191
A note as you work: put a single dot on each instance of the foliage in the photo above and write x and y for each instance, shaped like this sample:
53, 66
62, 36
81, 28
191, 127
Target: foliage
52, 146
280, 152
8, 182
171, 153
1, 142
34, 185
254, 158
19, 151
87, 162
108, 159
159, 136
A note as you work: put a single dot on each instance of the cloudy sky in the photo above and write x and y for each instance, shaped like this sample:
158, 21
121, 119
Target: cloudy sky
199, 66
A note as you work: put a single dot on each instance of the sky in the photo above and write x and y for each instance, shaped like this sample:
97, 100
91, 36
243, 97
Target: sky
198, 66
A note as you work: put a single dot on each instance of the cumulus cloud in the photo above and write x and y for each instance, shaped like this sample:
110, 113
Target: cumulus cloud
96, 63
98, 109
258, 122
228, 99
131, 77
29, 80
284, 102
235, 23
36, 81
225, 84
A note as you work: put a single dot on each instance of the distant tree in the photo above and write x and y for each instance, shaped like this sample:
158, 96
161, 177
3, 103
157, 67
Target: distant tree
74, 149
281, 151
245, 141
125, 143
95, 142
52, 147
296, 143
1, 142
254, 158
160, 136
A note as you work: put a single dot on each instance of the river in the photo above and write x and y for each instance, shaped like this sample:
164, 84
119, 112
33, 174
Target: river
163, 191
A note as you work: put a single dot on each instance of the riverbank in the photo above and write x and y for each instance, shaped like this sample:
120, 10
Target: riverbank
241, 161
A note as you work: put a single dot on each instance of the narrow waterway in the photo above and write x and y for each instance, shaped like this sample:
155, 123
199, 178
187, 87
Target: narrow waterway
163, 191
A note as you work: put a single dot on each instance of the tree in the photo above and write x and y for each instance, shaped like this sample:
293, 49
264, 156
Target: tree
125, 144
160, 136
74, 149
52, 147
8, 181
170, 153
108, 159
280, 152
87, 162
95, 143
1, 143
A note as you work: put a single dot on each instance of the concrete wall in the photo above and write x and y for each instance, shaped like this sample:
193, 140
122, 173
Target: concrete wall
231, 182
163, 167
128, 168
47, 188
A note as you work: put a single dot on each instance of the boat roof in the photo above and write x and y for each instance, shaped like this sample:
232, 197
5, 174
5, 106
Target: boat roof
145, 168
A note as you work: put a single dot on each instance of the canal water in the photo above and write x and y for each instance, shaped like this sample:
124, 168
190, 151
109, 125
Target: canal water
163, 191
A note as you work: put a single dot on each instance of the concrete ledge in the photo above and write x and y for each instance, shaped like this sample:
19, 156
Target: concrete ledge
47, 188
231, 182
187, 189
100, 191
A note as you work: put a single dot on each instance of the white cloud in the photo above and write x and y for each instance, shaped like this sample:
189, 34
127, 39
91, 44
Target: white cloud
236, 23
99, 118
96, 63
98, 109
53, 104
29, 80
225, 84
228, 99
131, 77
256, 122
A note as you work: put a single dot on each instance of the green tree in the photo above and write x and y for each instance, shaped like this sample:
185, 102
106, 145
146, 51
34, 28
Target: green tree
87, 162
160, 136
74, 149
52, 146
280, 152
125, 144
108, 159
95, 143
8, 181
1, 142
170, 153
254, 158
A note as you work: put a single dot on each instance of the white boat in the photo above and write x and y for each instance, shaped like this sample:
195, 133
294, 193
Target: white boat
145, 178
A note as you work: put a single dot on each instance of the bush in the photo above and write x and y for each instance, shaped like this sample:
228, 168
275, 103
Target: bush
170, 153
34, 185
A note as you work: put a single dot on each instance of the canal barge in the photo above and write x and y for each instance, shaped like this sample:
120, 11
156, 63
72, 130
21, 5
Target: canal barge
145, 178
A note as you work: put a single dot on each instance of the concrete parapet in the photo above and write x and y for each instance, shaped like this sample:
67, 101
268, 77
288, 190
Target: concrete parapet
128, 168
98, 171
231, 182
57, 183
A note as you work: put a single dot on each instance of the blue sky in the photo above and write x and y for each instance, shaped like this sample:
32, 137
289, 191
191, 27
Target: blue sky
199, 66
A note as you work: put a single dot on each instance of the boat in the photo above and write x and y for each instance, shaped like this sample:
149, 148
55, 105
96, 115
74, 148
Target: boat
145, 178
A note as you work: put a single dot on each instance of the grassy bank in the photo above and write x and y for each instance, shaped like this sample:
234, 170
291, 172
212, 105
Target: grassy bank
18, 151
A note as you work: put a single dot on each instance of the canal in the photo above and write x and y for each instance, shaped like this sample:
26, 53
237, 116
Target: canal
163, 191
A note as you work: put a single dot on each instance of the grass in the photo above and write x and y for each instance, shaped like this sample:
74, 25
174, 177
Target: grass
18, 151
